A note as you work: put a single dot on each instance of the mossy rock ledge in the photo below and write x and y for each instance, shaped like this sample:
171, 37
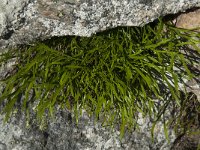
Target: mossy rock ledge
23, 23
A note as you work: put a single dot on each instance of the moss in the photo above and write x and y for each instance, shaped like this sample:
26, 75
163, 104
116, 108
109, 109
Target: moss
113, 75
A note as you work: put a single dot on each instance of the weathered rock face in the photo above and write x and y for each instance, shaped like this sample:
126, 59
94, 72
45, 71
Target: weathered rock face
62, 134
24, 21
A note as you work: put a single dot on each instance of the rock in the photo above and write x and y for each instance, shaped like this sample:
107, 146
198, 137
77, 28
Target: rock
191, 20
63, 134
25, 21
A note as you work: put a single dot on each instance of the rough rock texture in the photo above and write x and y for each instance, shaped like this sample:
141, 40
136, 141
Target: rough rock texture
189, 20
63, 134
24, 21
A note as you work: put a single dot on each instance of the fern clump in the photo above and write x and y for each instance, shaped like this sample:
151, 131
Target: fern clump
113, 75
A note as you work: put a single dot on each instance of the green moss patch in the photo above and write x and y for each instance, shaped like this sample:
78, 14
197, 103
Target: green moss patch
113, 75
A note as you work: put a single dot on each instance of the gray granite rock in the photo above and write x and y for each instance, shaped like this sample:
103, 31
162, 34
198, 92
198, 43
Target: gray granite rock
63, 134
25, 21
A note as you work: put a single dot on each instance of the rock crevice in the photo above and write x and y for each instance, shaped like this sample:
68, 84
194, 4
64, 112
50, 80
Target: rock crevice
23, 22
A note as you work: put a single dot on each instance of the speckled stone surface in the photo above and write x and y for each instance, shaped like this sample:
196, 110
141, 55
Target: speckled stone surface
63, 134
25, 21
